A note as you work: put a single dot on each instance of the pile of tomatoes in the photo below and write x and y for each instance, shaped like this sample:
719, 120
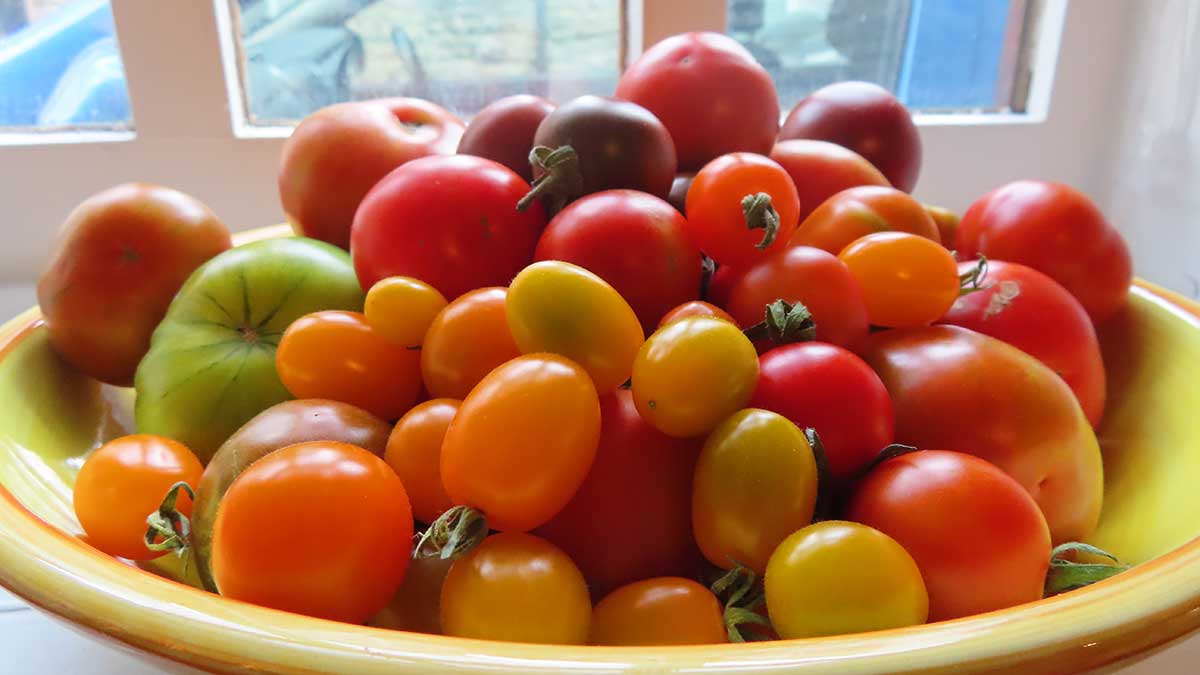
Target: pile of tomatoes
648, 370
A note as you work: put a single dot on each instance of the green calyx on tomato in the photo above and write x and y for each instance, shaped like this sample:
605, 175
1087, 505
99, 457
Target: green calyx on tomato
167, 522
784, 323
761, 215
973, 279
1067, 575
561, 181
452, 535
741, 592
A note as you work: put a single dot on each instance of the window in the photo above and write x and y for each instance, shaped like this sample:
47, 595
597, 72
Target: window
60, 67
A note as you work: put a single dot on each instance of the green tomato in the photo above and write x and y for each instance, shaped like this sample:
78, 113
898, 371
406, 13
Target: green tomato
211, 364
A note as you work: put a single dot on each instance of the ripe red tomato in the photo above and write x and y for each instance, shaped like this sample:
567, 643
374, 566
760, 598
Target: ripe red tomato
503, 131
658, 611
1056, 230
906, 280
977, 536
123, 482
1029, 310
319, 528
806, 275
859, 211
640, 478
634, 241
709, 92
418, 222
821, 169
742, 207
955, 388
828, 388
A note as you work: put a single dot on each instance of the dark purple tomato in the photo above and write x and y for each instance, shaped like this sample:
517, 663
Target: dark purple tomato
503, 131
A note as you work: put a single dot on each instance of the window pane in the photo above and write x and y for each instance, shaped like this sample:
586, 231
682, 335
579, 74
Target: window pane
300, 55
60, 67
934, 54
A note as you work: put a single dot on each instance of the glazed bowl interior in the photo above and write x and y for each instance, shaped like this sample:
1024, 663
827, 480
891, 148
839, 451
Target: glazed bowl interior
52, 417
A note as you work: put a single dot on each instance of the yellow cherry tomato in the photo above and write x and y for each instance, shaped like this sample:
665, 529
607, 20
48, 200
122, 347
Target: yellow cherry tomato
401, 309
564, 309
837, 577
693, 373
755, 483
906, 280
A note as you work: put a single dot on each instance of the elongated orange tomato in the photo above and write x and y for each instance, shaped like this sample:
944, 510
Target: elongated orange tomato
414, 451
523, 441
466, 340
659, 611
906, 280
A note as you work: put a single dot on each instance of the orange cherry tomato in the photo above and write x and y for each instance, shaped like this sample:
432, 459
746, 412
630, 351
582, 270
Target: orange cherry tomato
414, 451
402, 308
319, 528
695, 308
518, 588
523, 441
466, 340
338, 356
906, 280
124, 481
659, 611
720, 218
859, 211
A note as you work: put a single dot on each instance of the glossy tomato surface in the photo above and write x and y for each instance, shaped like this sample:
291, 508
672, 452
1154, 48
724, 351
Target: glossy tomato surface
658, 611
414, 451
858, 211
821, 169
503, 131
466, 340
906, 280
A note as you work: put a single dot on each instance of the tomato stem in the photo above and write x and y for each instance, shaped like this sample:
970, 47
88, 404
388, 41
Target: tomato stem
452, 535
823, 509
167, 522
972, 280
761, 215
890, 452
560, 181
783, 324
741, 592
708, 267
1067, 575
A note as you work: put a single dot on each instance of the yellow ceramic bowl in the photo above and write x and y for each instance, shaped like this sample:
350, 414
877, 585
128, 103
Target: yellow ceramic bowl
51, 417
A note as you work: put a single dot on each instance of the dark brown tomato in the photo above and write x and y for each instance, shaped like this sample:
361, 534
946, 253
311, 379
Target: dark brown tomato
503, 131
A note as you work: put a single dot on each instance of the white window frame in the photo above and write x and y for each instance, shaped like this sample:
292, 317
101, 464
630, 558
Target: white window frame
190, 131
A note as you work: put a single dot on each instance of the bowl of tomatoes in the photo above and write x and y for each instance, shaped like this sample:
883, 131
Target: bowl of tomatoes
611, 386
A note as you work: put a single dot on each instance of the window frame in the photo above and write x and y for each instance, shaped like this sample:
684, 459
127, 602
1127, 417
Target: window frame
231, 165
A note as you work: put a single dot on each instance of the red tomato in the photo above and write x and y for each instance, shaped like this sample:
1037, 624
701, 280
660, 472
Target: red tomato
1056, 230
810, 276
503, 131
1027, 309
419, 222
906, 280
833, 391
720, 287
979, 539
854, 213
955, 388
709, 92
695, 308
821, 169
601, 232
727, 221
640, 478
660, 611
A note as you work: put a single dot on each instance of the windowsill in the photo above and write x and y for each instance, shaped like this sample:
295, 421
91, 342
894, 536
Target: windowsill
66, 137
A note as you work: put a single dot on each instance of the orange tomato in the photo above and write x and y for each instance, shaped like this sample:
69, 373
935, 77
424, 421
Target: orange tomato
695, 308
466, 340
402, 308
859, 211
659, 611
906, 280
414, 451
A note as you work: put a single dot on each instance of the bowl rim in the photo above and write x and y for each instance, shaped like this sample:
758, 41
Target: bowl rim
56, 572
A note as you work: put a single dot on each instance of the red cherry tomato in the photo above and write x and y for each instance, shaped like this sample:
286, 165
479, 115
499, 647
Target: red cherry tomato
417, 222
709, 92
827, 388
634, 241
906, 280
979, 539
1029, 310
1056, 230
806, 275
727, 223
640, 478
856, 212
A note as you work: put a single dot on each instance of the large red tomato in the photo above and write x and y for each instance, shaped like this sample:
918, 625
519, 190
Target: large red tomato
955, 388
709, 92
1056, 230
451, 222
634, 241
642, 479
1027, 309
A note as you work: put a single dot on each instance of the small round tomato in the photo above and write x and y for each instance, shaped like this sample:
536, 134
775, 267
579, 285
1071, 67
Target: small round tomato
414, 451
835, 577
947, 223
979, 539
693, 373
401, 309
812, 277
829, 389
319, 528
522, 441
337, 355
720, 286
658, 611
742, 207
821, 169
859, 211
598, 233
518, 588
695, 308
906, 280
561, 308
123, 482
755, 483
465, 342
503, 131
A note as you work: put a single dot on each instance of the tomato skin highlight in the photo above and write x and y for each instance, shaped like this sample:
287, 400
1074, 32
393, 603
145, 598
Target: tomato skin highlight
858, 211
518, 588
466, 341
523, 441
401, 309
658, 611
980, 540
906, 280
695, 308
